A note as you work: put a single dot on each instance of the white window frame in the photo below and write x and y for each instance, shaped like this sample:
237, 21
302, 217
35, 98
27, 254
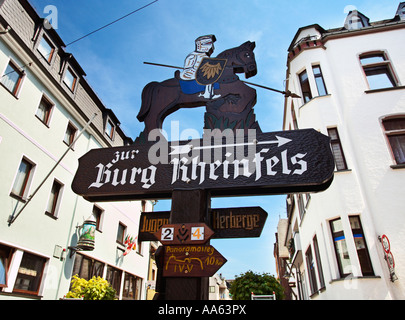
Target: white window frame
110, 134
26, 192
55, 214
16, 92
386, 63
70, 123
45, 98
14, 265
52, 54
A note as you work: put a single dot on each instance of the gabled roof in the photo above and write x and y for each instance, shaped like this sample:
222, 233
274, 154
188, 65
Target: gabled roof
316, 32
400, 14
297, 38
354, 18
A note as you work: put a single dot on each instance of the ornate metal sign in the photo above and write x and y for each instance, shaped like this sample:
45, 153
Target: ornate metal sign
269, 163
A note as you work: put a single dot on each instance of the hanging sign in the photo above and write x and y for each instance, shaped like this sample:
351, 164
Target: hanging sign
150, 223
238, 222
191, 261
227, 165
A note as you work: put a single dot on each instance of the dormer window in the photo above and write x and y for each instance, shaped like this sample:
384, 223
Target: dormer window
46, 49
70, 79
356, 23
401, 11
109, 129
356, 20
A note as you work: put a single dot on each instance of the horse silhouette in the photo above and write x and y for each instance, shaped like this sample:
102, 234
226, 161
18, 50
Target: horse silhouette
233, 110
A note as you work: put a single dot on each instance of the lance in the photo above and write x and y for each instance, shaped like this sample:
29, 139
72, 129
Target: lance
287, 93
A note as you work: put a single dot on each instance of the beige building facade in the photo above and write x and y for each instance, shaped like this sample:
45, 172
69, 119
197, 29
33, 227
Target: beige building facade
49, 118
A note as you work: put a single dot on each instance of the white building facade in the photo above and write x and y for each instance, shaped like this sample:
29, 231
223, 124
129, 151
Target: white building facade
45, 104
347, 242
218, 288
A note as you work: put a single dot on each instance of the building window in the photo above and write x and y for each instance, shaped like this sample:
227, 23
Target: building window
54, 199
301, 205
97, 214
355, 23
23, 179
337, 149
114, 278
29, 274
70, 79
294, 117
109, 129
132, 287
44, 111
378, 70
70, 134
87, 268
311, 270
342, 255
121, 233
305, 88
318, 263
395, 131
5, 257
320, 83
139, 247
46, 49
361, 246
356, 20
12, 78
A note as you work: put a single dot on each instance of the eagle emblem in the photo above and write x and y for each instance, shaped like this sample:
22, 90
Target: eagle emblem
210, 70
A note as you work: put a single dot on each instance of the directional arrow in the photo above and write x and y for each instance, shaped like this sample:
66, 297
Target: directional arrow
191, 261
184, 149
238, 222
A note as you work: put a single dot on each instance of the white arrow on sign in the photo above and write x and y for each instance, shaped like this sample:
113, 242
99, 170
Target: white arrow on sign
188, 147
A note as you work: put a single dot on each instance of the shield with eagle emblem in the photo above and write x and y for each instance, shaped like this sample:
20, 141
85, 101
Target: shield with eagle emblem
210, 70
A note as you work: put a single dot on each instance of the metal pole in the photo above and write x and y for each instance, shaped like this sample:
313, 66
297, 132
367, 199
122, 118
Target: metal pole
13, 217
162, 65
286, 93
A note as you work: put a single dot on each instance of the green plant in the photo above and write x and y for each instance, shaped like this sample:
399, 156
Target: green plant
96, 288
259, 284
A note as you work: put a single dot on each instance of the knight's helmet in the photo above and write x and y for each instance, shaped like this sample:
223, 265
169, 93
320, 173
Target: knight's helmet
205, 44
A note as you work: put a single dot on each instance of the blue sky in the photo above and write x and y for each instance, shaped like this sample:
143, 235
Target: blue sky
164, 32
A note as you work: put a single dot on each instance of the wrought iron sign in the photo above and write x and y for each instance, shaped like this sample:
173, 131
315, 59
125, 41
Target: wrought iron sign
268, 163
233, 158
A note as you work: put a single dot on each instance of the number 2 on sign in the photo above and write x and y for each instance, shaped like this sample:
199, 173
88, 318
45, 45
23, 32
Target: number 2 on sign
197, 233
167, 234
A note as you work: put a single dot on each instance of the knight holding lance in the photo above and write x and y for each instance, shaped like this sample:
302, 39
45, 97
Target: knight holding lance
204, 47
